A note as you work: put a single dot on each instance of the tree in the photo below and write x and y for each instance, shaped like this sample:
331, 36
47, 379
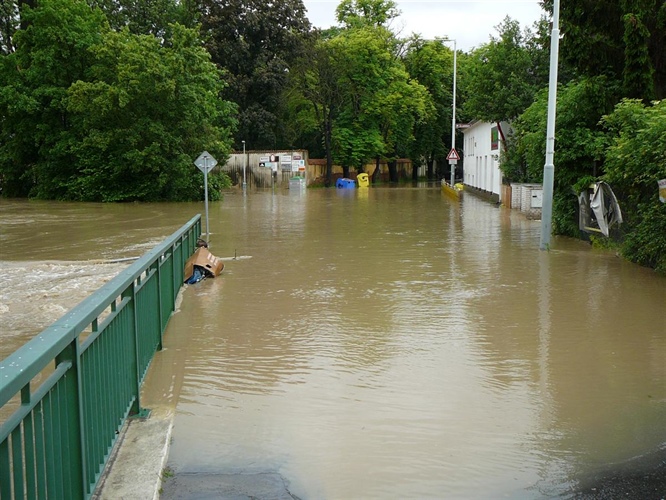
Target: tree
97, 115
141, 17
380, 104
359, 13
315, 80
50, 54
504, 75
579, 151
256, 43
624, 40
144, 110
431, 64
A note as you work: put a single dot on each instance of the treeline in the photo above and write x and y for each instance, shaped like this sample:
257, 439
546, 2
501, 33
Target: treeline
111, 100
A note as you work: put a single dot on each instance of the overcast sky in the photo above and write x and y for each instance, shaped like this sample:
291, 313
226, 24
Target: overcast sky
469, 22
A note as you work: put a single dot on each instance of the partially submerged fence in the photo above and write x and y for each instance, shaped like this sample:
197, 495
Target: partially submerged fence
58, 440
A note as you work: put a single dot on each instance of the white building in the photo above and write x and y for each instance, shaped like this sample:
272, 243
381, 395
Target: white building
482, 144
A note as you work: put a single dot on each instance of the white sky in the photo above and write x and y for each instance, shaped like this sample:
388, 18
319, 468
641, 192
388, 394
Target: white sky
469, 22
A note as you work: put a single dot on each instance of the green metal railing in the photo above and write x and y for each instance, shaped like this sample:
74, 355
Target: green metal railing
56, 443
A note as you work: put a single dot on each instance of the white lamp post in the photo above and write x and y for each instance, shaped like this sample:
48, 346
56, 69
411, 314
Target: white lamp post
549, 166
453, 115
244, 161
453, 162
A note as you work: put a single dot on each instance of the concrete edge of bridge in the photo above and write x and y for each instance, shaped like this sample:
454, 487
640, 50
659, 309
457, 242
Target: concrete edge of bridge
138, 459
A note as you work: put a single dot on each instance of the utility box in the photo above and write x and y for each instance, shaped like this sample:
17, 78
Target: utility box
296, 182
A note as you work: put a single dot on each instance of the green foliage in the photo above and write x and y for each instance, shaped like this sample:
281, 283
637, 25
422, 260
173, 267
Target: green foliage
503, 76
638, 71
635, 161
379, 105
645, 242
623, 40
143, 112
97, 115
51, 54
256, 43
360, 13
578, 149
431, 63
141, 17
9, 20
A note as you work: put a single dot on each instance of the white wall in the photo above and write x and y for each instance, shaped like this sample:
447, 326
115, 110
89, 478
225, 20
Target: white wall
481, 167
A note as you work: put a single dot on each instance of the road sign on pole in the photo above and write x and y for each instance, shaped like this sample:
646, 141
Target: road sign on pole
205, 162
453, 155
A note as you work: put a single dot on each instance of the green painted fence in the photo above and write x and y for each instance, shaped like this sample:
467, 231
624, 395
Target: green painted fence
93, 360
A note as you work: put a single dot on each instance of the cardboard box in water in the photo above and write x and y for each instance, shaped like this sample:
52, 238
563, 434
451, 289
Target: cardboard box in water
203, 258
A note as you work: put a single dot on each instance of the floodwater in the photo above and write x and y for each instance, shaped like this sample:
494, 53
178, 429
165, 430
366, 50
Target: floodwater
381, 343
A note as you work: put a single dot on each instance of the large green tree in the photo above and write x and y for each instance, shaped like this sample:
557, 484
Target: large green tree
93, 114
256, 43
624, 40
144, 110
381, 103
49, 55
503, 75
431, 64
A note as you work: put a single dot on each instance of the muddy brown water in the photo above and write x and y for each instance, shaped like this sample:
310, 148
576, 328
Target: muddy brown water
386, 343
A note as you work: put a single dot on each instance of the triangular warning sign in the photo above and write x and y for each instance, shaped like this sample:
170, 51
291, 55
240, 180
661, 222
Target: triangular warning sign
453, 155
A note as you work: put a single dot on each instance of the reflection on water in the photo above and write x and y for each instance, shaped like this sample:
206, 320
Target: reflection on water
394, 344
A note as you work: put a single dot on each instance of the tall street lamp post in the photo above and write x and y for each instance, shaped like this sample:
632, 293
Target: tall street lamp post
244, 161
453, 115
549, 166
453, 161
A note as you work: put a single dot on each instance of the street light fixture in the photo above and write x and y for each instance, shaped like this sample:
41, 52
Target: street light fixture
244, 161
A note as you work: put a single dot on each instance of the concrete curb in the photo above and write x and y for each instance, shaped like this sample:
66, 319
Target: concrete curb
135, 467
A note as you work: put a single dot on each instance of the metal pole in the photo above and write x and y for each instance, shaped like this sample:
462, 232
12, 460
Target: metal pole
206, 194
549, 166
453, 115
244, 161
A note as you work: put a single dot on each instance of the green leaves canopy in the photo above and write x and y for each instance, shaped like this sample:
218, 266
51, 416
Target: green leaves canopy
92, 114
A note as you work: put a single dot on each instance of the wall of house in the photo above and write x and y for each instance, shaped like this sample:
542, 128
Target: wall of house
481, 144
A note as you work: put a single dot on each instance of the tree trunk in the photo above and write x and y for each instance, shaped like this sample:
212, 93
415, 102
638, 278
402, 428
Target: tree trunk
393, 170
376, 174
415, 172
329, 155
345, 171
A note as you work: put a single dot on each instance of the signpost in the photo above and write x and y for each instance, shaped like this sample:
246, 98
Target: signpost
453, 158
205, 162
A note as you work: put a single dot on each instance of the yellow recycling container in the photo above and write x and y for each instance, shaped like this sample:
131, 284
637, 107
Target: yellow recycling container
362, 180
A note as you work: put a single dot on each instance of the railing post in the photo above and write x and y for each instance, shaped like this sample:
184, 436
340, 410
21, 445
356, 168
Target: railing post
74, 452
136, 383
158, 263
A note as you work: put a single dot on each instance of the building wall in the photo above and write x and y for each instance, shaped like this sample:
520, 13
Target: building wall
481, 144
259, 173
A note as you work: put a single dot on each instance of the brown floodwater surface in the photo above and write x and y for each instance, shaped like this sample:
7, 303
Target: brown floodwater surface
381, 343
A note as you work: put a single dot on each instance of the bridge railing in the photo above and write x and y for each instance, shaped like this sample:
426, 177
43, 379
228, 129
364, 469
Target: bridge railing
93, 360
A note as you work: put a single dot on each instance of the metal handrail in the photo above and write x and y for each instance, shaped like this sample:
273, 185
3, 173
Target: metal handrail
58, 441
